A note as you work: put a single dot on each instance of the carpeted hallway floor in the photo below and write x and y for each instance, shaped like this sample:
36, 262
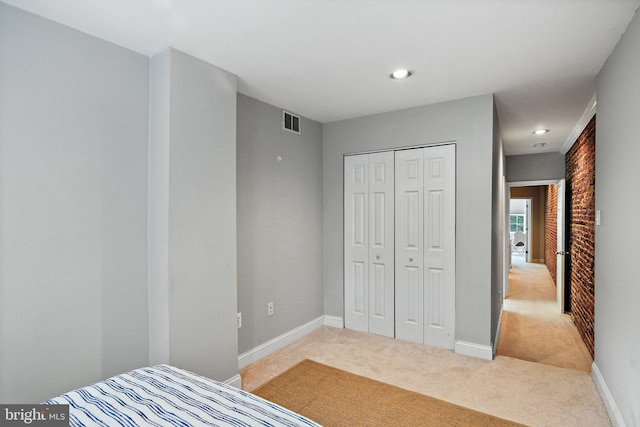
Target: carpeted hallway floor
532, 328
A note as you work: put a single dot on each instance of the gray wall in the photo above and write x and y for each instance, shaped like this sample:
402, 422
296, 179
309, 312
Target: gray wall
534, 167
73, 208
159, 149
279, 223
468, 122
617, 293
498, 237
518, 206
193, 209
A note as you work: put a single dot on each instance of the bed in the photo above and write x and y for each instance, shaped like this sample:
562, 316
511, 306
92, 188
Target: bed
164, 395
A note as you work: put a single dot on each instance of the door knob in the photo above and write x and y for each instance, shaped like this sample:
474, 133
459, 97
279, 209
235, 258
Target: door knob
410, 259
377, 256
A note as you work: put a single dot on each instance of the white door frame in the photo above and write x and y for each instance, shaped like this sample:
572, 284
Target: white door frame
527, 209
507, 237
560, 247
560, 291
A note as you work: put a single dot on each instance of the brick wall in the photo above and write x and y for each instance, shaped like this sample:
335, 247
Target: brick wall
551, 229
580, 176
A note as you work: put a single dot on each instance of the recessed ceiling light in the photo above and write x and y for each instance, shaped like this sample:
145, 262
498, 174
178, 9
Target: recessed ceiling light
401, 74
541, 131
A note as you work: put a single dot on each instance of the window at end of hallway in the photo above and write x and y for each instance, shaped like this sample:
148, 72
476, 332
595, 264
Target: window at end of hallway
516, 222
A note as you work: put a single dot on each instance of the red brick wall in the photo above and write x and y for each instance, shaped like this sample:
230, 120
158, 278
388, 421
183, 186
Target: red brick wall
581, 180
551, 229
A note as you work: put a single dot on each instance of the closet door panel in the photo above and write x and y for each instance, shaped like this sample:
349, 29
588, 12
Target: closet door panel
356, 242
381, 243
439, 251
409, 226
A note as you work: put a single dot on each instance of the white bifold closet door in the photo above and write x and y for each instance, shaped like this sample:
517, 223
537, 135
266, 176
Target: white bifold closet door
425, 245
369, 243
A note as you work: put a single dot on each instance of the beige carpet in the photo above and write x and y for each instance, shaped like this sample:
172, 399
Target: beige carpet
336, 398
516, 390
532, 326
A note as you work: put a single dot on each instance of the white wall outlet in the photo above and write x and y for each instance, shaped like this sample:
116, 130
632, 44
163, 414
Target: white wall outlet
270, 309
239, 320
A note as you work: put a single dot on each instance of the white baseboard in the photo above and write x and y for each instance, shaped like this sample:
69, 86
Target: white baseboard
334, 321
263, 350
607, 397
476, 350
235, 381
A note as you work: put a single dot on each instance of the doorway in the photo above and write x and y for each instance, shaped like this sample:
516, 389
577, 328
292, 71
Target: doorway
533, 327
519, 228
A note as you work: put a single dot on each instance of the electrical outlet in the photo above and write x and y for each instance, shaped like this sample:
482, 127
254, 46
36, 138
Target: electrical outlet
239, 320
270, 309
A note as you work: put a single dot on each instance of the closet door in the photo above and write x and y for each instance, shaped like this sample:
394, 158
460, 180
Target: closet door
356, 242
425, 245
381, 244
439, 246
369, 243
400, 244
409, 196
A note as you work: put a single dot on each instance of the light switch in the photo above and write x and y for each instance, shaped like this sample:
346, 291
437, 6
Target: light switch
598, 217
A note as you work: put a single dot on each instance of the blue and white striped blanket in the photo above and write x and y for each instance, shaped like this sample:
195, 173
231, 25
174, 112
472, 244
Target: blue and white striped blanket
167, 396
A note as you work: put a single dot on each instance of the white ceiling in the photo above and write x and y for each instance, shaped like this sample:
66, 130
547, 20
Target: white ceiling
329, 60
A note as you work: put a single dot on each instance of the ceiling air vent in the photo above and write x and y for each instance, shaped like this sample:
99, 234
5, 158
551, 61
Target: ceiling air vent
290, 122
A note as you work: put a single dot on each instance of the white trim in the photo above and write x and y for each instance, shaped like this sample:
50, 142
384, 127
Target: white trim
532, 183
607, 397
263, 350
582, 123
235, 381
404, 147
476, 350
334, 321
498, 330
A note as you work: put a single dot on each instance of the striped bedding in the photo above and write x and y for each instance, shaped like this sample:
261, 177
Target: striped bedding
167, 396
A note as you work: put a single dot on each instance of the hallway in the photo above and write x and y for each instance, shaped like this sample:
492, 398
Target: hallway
532, 328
